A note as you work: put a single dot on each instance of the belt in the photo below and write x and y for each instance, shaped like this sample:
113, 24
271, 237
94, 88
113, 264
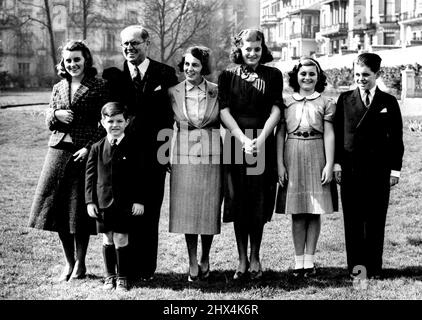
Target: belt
306, 134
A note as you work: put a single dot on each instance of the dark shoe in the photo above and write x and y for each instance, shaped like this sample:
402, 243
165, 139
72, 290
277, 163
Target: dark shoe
203, 275
122, 284
192, 278
256, 275
239, 275
109, 283
147, 278
65, 276
309, 272
78, 272
298, 273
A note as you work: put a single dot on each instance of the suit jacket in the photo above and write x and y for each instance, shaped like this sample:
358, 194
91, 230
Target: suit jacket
85, 129
191, 139
149, 109
370, 138
114, 177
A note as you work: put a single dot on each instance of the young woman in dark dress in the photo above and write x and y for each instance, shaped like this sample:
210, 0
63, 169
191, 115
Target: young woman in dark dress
250, 98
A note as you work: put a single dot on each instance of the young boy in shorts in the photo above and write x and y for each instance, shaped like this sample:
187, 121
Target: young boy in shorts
114, 192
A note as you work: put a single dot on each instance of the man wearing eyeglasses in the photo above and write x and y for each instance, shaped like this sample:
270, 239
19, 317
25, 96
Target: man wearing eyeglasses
142, 86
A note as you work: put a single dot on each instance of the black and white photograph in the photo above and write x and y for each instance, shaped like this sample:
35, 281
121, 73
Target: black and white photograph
210, 158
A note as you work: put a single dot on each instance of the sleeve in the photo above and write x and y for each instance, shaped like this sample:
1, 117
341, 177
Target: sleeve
139, 173
50, 119
113, 76
329, 110
91, 177
223, 90
276, 89
396, 136
103, 95
339, 131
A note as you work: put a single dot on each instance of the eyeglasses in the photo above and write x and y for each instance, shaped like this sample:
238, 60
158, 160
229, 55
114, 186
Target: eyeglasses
132, 43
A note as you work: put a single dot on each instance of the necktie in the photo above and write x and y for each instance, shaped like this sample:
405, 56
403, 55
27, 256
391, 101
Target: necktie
113, 144
137, 77
367, 101
137, 81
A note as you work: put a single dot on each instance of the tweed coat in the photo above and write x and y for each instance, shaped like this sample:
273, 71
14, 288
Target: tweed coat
87, 102
59, 202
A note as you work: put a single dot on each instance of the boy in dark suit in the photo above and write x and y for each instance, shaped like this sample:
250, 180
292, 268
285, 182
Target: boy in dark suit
368, 159
114, 193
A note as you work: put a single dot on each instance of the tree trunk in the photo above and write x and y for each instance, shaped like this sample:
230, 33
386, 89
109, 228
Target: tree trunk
51, 33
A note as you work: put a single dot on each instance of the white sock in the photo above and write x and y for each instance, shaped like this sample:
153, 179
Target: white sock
299, 262
308, 261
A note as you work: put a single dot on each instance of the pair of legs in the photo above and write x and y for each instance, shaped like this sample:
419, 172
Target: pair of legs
115, 253
305, 230
253, 234
192, 245
75, 267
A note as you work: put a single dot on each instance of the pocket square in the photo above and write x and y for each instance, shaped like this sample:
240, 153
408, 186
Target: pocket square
158, 88
383, 110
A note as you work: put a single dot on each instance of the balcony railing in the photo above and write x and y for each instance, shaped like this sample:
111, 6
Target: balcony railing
340, 28
410, 15
308, 32
269, 19
389, 19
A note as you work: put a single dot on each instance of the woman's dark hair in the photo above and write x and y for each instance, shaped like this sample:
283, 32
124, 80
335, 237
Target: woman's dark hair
306, 61
249, 35
76, 45
202, 54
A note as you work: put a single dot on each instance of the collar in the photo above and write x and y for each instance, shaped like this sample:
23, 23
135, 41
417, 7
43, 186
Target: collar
372, 91
299, 97
142, 67
119, 139
201, 86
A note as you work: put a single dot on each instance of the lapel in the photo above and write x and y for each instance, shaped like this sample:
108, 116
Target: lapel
82, 90
127, 77
152, 77
373, 107
180, 106
355, 109
65, 92
211, 102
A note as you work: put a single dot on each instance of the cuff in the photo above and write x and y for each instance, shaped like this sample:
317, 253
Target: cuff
337, 167
395, 173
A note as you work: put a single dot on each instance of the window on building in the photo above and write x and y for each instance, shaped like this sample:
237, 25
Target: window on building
23, 68
389, 38
389, 8
109, 43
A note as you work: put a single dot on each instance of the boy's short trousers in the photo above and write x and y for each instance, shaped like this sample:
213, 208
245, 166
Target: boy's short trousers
114, 220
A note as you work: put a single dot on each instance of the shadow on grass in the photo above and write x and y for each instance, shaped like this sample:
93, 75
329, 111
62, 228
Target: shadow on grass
222, 280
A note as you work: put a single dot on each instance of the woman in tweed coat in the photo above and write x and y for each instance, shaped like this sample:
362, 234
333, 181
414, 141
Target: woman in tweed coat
73, 117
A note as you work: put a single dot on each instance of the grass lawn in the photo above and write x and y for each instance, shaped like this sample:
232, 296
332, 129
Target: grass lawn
31, 260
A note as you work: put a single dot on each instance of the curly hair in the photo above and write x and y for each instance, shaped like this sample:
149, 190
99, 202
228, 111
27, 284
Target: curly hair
249, 35
306, 61
76, 45
203, 54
